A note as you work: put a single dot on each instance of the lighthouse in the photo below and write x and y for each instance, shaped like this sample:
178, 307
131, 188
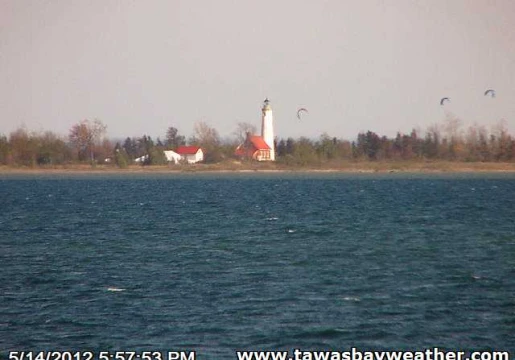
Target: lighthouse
260, 148
267, 127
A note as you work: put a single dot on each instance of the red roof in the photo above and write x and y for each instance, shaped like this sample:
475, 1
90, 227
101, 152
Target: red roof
187, 150
252, 146
258, 142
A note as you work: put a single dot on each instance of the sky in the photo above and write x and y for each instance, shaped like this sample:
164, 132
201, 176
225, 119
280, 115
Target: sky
141, 66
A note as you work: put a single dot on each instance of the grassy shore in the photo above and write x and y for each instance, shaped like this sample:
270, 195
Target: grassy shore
233, 166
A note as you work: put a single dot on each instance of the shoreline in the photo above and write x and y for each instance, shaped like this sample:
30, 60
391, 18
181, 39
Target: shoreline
351, 168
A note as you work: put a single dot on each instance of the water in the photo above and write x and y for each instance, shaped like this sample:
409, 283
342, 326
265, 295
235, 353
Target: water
219, 262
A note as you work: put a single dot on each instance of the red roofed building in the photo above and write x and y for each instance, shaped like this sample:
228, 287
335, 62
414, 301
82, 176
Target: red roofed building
192, 154
260, 148
254, 148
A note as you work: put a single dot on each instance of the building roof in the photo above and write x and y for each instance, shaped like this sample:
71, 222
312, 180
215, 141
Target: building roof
258, 142
252, 144
266, 105
187, 150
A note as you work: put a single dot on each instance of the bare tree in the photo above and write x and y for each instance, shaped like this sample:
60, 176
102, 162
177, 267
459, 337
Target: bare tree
452, 127
205, 135
4, 150
85, 135
242, 130
501, 141
208, 139
23, 147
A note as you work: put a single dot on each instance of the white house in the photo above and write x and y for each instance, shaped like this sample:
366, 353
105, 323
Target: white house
141, 159
172, 156
192, 154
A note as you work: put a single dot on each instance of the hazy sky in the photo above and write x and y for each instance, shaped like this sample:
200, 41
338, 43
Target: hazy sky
142, 66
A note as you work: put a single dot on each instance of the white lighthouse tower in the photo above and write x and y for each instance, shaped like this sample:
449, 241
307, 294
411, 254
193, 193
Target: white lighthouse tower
267, 127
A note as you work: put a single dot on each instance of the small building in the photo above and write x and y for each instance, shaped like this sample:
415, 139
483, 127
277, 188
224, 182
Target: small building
141, 159
191, 154
172, 156
260, 148
254, 148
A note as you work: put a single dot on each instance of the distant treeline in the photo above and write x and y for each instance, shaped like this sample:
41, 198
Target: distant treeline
87, 143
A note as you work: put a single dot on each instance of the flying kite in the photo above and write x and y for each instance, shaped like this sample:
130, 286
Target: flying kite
444, 100
491, 92
299, 111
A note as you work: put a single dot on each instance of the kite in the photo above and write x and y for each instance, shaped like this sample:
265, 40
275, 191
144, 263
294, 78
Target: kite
299, 111
444, 99
491, 92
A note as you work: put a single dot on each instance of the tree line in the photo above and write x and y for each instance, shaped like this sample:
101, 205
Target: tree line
87, 143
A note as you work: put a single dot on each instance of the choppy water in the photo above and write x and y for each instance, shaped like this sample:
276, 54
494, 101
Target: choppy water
215, 263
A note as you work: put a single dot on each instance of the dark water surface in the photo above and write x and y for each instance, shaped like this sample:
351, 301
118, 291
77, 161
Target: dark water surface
215, 263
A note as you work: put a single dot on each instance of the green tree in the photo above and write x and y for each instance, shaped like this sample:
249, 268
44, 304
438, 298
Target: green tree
173, 139
154, 154
484, 150
145, 145
290, 146
130, 146
52, 149
121, 159
305, 152
280, 148
368, 145
326, 147
432, 142
416, 143
385, 148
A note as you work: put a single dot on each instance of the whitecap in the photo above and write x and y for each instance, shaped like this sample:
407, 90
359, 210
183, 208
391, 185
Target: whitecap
351, 298
115, 289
